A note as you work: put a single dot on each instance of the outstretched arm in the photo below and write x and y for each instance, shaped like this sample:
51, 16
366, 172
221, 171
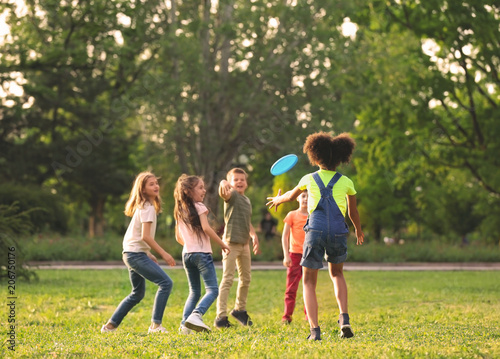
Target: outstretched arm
354, 216
225, 190
282, 198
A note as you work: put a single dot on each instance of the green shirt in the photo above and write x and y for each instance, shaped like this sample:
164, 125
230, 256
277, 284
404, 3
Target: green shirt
237, 216
343, 187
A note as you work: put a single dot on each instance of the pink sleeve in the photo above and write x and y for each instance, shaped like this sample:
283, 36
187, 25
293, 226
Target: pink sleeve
200, 208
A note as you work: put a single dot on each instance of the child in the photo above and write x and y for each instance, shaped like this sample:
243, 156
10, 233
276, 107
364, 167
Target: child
238, 231
326, 230
293, 241
194, 233
143, 205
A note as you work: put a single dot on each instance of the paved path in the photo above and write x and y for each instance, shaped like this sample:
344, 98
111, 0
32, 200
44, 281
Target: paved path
278, 266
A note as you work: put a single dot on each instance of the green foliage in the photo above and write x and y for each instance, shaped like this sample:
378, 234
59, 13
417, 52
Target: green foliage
490, 226
54, 247
426, 114
423, 251
43, 247
13, 223
44, 210
393, 314
75, 134
114, 87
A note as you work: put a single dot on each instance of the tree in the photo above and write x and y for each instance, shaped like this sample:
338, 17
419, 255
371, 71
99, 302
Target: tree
424, 112
82, 67
240, 78
462, 92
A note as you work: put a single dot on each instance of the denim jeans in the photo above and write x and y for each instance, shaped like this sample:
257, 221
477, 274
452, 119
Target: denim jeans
141, 267
199, 265
317, 243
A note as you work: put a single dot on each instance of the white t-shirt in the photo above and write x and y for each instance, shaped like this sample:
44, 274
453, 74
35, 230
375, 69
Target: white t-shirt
132, 241
192, 242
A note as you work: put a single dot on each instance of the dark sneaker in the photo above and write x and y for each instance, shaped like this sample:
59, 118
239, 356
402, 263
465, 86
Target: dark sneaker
346, 331
315, 334
345, 327
222, 323
242, 317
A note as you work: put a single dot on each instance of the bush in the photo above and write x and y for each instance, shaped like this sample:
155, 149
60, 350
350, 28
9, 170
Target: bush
54, 247
13, 223
422, 251
44, 209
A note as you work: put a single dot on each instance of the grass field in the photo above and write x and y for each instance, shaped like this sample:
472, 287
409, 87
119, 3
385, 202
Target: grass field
393, 314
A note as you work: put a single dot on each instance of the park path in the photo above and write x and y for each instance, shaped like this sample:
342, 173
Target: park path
278, 266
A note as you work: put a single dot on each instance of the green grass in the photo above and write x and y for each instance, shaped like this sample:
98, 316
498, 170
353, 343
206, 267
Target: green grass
394, 315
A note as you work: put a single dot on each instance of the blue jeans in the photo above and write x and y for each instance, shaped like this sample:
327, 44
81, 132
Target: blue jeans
196, 265
140, 268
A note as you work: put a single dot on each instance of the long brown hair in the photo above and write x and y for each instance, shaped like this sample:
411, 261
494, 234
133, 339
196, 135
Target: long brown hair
137, 198
184, 209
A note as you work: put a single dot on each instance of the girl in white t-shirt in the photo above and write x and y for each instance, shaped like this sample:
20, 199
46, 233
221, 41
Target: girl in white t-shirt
194, 233
143, 205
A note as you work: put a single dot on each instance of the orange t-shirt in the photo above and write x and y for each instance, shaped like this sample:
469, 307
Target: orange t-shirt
296, 221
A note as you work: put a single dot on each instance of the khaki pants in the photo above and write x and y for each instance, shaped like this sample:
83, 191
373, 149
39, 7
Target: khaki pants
238, 257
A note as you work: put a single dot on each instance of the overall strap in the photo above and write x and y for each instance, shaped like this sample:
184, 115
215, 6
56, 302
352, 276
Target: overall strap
318, 180
326, 191
334, 180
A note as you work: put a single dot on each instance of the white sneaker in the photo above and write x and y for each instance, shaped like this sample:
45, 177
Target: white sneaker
105, 329
195, 322
185, 330
159, 329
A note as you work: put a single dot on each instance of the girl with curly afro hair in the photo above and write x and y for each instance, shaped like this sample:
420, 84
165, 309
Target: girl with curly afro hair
329, 152
330, 194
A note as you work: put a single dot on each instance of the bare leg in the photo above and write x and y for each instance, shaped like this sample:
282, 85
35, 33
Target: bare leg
310, 280
339, 285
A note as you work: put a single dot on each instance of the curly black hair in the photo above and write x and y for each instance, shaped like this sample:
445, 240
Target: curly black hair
328, 152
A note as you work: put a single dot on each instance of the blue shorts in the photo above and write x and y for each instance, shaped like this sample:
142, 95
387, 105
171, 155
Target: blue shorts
317, 243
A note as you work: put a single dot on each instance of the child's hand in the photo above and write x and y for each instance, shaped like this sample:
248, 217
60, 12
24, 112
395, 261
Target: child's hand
287, 261
360, 237
256, 249
152, 257
225, 188
169, 259
274, 201
225, 248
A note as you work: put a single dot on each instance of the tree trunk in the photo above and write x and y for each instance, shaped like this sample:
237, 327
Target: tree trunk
91, 226
377, 233
96, 219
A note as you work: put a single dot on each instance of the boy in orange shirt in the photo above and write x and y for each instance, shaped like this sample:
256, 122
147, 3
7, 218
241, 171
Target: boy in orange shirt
293, 242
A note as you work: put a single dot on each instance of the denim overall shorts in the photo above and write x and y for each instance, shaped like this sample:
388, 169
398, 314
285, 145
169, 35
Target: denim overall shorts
326, 229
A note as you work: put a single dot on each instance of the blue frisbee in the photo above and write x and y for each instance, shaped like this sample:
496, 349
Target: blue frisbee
284, 164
